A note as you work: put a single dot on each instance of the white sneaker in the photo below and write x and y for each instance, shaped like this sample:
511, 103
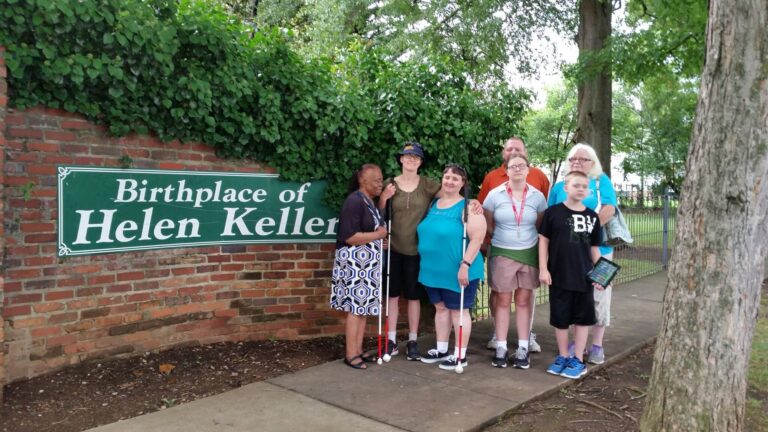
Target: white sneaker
533, 346
492, 345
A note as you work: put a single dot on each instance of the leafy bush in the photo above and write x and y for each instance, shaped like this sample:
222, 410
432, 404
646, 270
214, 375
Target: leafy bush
188, 70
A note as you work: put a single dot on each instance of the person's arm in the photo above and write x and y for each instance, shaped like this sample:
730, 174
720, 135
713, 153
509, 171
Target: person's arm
476, 229
544, 276
607, 200
606, 213
475, 207
361, 238
490, 225
386, 194
539, 218
594, 252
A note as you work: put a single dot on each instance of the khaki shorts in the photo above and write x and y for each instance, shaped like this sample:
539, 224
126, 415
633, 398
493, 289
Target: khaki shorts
603, 303
508, 275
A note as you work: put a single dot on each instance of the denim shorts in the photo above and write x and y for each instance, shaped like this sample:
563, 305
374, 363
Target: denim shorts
451, 298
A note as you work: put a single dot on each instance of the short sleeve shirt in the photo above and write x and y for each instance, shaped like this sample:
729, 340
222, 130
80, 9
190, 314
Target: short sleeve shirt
506, 233
607, 197
408, 209
357, 215
571, 234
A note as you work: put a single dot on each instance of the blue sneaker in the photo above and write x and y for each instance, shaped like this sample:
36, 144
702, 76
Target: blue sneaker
574, 369
557, 366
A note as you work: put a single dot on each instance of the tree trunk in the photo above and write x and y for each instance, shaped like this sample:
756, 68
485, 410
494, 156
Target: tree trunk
595, 93
711, 303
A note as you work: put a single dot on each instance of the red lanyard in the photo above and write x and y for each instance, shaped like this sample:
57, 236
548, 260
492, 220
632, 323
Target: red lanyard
518, 218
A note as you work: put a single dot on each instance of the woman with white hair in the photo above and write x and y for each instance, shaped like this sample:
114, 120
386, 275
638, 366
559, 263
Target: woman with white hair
601, 199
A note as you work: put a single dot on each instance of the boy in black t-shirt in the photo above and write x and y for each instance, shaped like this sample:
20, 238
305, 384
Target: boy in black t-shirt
568, 248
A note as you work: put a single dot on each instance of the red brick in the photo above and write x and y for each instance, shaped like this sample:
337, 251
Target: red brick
61, 340
25, 133
139, 297
74, 124
45, 331
48, 307
27, 322
23, 273
59, 295
80, 304
42, 170
40, 238
86, 268
24, 298
100, 279
37, 227
128, 276
69, 282
183, 271
123, 309
109, 301
60, 136
89, 291
119, 288
43, 147
56, 159
62, 318
15, 119
39, 261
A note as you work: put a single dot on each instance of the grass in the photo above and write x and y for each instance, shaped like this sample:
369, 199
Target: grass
632, 269
757, 379
647, 228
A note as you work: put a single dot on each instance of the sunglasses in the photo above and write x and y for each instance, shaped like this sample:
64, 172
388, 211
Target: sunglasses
455, 167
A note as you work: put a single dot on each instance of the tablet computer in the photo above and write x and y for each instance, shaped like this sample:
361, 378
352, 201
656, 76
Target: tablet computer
603, 272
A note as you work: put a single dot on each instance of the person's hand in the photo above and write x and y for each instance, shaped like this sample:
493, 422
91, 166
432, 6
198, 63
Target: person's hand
388, 192
381, 232
597, 286
545, 277
385, 243
463, 275
475, 207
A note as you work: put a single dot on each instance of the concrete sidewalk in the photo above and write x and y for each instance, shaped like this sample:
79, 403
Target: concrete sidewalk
403, 395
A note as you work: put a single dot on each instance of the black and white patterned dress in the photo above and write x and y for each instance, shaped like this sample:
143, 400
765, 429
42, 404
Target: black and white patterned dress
356, 276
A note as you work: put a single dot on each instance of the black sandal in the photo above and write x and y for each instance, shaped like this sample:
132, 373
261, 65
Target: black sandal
368, 358
360, 365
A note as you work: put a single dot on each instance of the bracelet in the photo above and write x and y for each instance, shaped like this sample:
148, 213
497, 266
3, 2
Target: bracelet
467, 263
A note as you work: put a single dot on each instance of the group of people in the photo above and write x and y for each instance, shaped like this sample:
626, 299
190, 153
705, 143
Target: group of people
437, 237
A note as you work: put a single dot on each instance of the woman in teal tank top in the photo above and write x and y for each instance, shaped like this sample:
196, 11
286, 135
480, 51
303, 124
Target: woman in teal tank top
446, 265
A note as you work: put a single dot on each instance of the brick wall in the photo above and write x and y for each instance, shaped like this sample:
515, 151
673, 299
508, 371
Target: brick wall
3, 104
59, 312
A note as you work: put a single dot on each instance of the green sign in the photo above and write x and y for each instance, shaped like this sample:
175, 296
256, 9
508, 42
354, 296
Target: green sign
118, 210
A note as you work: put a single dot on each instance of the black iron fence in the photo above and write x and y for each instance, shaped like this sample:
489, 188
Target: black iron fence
651, 219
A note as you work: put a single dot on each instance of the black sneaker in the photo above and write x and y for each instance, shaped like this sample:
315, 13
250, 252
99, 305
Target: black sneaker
451, 362
434, 356
392, 348
500, 359
522, 359
412, 351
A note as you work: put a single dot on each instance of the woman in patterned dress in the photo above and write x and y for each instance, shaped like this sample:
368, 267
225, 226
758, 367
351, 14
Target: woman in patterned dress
357, 267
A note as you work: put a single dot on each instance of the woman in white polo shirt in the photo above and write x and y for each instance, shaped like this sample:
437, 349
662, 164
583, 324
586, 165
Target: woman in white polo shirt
513, 212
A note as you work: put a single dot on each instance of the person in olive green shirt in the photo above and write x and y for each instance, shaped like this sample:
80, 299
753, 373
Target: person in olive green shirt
411, 195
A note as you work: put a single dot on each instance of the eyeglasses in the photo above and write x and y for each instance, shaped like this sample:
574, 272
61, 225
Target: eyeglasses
517, 167
580, 160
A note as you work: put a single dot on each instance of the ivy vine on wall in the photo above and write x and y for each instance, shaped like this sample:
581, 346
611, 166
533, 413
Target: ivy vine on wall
188, 70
